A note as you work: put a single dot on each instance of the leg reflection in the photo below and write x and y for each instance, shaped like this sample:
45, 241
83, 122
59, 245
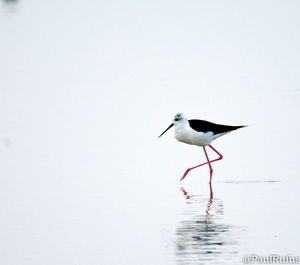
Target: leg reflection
201, 235
213, 206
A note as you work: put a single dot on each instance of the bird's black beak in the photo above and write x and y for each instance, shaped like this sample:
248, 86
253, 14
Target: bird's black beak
166, 129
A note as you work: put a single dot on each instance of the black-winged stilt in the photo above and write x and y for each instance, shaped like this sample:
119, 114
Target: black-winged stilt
200, 133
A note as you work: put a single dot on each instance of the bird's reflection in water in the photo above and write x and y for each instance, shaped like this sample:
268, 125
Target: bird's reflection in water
202, 238
213, 205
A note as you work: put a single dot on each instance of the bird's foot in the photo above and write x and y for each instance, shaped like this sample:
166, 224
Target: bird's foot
185, 174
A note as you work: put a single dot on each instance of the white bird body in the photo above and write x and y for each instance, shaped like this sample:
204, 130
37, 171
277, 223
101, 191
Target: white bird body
184, 133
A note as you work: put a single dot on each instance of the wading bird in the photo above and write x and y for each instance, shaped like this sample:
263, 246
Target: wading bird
200, 133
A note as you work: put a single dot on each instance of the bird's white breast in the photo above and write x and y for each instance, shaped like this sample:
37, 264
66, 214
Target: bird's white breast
184, 133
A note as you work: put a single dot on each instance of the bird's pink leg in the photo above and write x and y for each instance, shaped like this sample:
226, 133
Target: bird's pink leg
189, 169
220, 156
210, 167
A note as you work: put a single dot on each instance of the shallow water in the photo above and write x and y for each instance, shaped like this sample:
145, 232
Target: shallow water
86, 90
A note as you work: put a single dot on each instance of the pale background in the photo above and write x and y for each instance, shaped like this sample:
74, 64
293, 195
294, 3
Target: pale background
86, 88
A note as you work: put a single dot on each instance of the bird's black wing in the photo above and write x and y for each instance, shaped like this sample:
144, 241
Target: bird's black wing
206, 126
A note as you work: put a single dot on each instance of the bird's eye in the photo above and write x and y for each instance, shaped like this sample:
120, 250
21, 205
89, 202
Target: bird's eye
176, 119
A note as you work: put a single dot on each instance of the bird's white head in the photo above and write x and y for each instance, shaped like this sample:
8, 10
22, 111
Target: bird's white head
178, 119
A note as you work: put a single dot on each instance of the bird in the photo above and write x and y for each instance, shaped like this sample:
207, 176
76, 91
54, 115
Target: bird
199, 133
